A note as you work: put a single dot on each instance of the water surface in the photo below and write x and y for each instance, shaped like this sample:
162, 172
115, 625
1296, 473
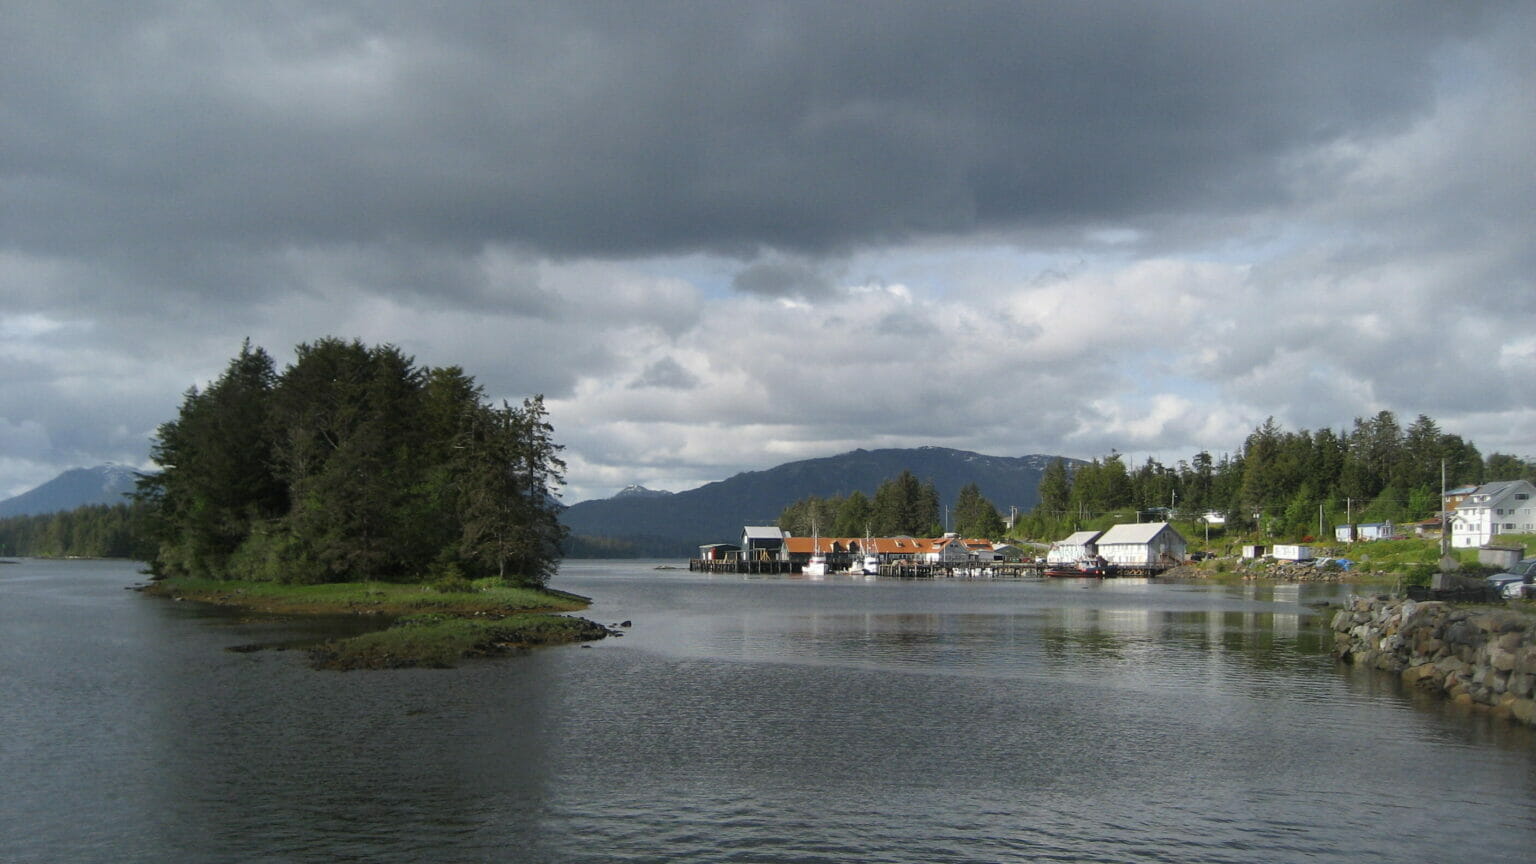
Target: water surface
746, 719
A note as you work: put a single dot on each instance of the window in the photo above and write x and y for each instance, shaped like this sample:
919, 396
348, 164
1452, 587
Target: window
1509, 526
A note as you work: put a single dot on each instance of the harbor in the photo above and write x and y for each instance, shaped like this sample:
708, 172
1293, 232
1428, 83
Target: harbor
926, 570
1139, 550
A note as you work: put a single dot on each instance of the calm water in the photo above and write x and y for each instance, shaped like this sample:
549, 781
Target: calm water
753, 720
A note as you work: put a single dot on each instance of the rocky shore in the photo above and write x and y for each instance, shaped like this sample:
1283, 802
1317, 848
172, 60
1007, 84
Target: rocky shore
1278, 571
1478, 656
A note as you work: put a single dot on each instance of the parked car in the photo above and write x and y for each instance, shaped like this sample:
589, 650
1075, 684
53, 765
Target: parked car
1518, 581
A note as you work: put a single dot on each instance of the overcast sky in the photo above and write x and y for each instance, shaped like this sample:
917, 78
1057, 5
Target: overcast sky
722, 236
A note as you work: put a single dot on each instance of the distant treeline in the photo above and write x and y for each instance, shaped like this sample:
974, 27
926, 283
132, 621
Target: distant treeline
92, 531
1279, 481
591, 546
902, 506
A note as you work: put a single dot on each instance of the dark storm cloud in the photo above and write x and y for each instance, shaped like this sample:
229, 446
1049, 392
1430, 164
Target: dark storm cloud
782, 278
162, 134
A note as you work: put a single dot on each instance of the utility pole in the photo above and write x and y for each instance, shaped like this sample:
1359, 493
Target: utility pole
1445, 518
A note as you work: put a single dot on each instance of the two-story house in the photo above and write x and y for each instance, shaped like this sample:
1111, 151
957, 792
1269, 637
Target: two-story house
1506, 507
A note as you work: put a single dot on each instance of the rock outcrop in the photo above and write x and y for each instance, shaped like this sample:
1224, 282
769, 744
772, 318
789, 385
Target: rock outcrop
1475, 656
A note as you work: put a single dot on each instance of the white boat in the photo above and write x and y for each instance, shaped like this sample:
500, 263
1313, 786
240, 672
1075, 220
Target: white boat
817, 565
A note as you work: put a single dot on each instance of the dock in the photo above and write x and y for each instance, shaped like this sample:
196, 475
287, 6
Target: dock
918, 570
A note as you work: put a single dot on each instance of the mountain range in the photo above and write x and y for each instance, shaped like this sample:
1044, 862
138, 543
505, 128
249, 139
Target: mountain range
645, 522
77, 487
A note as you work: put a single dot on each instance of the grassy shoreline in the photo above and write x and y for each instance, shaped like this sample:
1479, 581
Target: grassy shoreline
426, 626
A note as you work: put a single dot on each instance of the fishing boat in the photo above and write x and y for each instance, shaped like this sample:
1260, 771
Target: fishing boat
816, 567
867, 564
1093, 567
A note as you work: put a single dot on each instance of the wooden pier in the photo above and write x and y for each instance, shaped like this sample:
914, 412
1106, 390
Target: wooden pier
920, 570
990, 570
709, 565
895, 570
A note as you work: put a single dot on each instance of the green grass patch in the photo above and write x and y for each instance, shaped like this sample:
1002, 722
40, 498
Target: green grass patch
428, 625
439, 641
484, 597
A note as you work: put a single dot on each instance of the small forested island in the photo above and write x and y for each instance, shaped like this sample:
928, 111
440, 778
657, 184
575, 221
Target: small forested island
356, 482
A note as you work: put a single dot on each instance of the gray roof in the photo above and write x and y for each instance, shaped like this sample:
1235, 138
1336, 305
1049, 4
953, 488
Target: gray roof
763, 532
1494, 491
1143, 532
1080, 538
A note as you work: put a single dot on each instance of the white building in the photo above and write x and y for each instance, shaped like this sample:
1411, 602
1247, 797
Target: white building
1074, 548
1142, 545
1364, 531
1506, 507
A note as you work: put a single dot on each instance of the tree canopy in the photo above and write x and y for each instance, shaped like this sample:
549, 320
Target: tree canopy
902, 506
353, 463
1283, 481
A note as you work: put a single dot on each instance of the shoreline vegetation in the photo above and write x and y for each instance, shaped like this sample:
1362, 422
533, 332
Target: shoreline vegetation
355, 482
422, 625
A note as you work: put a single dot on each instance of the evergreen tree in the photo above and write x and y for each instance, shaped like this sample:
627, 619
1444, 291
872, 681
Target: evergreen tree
353, 463
855, 516
510, 468
975, 516
1055, 490
216, 476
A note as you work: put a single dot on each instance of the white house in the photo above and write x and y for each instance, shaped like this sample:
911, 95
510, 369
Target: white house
1506, 507
1074, 548
1364, 531
1143, 544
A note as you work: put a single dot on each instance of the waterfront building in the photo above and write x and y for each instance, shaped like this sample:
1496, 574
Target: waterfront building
1075, 547
1145, 544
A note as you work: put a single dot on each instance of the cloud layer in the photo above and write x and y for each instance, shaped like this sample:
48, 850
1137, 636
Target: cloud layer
718, 236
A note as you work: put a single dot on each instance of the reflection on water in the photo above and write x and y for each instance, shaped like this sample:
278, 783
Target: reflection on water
746, 719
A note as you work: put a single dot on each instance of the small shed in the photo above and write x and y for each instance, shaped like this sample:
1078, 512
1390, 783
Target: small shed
1145, 544
1078, 546
1291, 552
762, 543
720, 552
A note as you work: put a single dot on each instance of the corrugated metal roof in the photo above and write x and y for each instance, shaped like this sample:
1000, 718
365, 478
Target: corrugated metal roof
1142, 532
764, 532
1079, 538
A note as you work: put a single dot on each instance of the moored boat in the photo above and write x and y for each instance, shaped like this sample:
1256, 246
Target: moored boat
1096, 567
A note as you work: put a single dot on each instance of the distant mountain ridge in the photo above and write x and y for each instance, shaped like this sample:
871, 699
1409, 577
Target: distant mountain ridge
77, 487
640, 522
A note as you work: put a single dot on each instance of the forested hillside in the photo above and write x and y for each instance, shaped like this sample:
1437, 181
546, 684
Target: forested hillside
1282, 482
674, 525
92, 531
